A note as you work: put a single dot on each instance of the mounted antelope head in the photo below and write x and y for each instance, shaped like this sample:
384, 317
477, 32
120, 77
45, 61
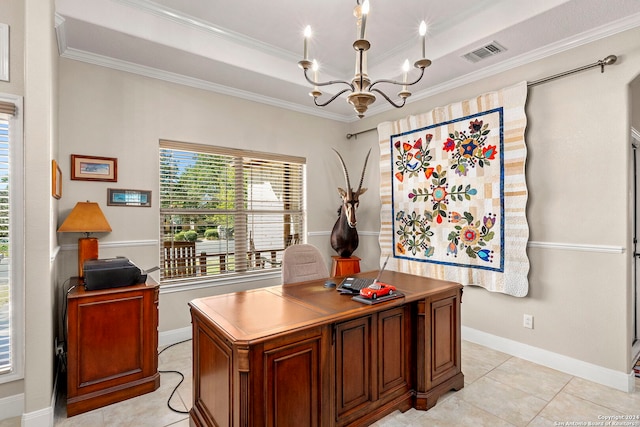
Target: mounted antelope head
344, 237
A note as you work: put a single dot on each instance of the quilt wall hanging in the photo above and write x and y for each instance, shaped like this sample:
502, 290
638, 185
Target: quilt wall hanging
454, 194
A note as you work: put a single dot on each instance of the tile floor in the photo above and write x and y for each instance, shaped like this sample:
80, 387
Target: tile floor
500, 390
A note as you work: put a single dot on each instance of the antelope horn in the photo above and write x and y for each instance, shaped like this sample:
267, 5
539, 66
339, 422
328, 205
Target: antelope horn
344, 169
364, 168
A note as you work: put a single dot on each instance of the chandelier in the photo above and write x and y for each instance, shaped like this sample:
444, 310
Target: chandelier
361, 89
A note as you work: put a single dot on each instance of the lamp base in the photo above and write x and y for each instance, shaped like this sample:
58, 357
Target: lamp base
87, 249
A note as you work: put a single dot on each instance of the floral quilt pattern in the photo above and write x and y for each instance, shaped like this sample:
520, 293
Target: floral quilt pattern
453, 192
448, 193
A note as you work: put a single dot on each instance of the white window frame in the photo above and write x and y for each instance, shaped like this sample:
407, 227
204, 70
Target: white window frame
16, 218
169, 285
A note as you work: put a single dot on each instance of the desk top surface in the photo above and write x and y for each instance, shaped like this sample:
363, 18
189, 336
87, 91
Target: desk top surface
77, 290
254, 315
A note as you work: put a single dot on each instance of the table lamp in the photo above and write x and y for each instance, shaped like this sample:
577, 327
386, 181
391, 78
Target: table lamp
86, 217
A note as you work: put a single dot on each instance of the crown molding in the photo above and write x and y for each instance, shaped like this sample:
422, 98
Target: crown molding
150, 7
595, 34
61, 33
590, 36
129, 67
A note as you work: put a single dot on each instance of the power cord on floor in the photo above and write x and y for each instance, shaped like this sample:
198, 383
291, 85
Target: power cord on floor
174, 372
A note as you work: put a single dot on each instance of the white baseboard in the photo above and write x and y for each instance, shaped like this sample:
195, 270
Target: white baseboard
598, 374
11, 406
174, 336
40, 418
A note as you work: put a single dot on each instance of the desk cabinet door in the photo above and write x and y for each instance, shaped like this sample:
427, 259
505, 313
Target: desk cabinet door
293, 384
393, 356
354, 388
112, 347
444, 360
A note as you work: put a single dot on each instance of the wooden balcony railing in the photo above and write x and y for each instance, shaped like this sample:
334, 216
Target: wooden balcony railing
180, 260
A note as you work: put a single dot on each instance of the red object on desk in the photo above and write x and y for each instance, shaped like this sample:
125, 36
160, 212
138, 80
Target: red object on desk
345, 266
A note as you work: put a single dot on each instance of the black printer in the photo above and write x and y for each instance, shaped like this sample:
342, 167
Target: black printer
111, 273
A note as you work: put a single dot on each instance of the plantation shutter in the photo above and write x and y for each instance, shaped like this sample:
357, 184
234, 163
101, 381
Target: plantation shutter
226, 211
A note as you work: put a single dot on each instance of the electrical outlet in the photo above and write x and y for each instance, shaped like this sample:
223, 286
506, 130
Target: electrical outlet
59, 347
528, 321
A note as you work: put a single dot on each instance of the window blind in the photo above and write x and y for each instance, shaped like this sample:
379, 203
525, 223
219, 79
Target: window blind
225, 211
5, 289
7, 108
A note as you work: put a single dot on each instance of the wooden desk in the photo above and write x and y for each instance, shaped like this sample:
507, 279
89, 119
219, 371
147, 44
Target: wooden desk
304, 355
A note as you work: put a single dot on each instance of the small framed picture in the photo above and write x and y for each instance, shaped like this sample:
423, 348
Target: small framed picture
56, 180
121, 197
92, 168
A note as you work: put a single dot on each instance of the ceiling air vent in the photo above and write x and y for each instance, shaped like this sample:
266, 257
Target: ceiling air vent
491, 49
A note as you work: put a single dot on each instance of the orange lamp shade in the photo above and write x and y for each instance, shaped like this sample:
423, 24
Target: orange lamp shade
86, 217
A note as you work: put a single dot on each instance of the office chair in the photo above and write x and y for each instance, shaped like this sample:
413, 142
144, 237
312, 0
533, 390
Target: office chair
301, 263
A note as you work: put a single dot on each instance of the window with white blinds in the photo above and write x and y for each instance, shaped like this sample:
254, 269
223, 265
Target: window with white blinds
225, 211
10, 242
5, 289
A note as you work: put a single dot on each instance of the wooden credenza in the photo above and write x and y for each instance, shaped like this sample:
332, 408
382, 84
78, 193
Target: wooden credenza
304, 355
112, 345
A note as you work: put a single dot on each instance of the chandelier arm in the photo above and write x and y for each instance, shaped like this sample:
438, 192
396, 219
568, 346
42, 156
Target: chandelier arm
384, 95
332, 82
395, 82
315, 100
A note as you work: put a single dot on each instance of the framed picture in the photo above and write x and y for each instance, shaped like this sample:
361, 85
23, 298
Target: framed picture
56, 180
91, 168
121, 197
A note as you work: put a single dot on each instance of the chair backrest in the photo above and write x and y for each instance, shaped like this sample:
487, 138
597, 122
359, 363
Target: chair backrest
179, 259
301, 263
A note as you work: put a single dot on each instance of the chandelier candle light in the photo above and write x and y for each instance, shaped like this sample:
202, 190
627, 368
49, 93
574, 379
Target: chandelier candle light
361, 89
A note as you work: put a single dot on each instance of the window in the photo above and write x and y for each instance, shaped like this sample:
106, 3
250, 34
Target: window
10, 239
226, 212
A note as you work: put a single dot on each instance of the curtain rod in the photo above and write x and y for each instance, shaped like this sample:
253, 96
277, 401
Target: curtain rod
609, 60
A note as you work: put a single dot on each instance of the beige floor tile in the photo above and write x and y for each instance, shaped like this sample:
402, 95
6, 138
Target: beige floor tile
626, 403
503, 401
456, 412
495, 357
10, 422
93, 418
176, 357
474, 368
477, 361
531, 378
147, 410
566, 407
183, 396
541, 421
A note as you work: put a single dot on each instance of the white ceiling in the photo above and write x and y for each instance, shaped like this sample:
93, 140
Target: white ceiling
250, 48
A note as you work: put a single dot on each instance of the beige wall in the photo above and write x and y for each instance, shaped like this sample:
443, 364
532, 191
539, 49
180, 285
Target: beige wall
577, 172
109, 113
